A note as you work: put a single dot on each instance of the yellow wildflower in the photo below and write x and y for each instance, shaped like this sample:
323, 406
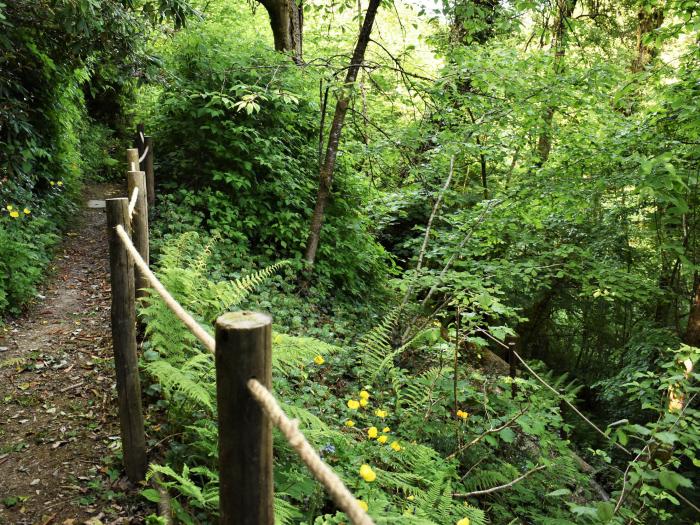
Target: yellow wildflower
319, 360
349, 423
380, 413
9, 207
462, 414
382, 439
363, 505
60, 183
52, 183
367, 473
363, 402
353, 405
386, 430
411, 497
14, 214
27, 211
364, 394
464, 521
395, 445
372, 432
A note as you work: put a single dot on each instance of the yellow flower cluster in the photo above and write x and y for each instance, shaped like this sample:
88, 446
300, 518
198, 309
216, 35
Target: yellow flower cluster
15, 213
380, 413
464, 521
395, 445
353, 404
350, 423
363, 505
462, 414
53, 183
367, 473
319, 360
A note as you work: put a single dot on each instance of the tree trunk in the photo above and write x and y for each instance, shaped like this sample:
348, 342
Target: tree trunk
692, 332
648, 22
341, 108
287, 23
559, 37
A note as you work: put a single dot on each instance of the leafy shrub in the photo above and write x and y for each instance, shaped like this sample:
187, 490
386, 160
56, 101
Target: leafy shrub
237, 137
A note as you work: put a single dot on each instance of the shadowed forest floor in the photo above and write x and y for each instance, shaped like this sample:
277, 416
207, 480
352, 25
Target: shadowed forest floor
59, 432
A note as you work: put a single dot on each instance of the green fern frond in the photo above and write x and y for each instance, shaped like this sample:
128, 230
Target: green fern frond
285, 512
173, 379
225, 295
374, 347
180, 482
290, 352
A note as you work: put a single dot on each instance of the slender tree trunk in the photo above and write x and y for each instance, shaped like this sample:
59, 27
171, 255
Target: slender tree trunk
341, 108
559, 38
692, 332
287, 23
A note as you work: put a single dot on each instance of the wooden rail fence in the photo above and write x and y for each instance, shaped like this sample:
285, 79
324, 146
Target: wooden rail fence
242, 347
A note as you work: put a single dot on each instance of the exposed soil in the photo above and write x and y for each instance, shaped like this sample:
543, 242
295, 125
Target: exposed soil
59, 433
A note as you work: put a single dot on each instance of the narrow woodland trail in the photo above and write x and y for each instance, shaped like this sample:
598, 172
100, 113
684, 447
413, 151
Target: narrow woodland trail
58, 423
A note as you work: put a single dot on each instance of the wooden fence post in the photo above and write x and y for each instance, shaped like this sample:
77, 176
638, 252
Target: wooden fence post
139, 224
147, 166
243, 351
124, 342
132, 159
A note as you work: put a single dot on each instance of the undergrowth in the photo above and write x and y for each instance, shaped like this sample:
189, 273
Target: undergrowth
357, 407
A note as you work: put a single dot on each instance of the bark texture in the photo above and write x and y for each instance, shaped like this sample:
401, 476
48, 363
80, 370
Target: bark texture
341, 109
648, 22
287, 23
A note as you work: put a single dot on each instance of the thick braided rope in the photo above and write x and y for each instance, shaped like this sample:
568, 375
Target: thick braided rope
175, 307
322, 472
132, 202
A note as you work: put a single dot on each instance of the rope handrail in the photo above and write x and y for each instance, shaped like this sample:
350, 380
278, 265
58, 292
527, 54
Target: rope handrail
189, 321
144, 155
320, 470
267, 401
132, 202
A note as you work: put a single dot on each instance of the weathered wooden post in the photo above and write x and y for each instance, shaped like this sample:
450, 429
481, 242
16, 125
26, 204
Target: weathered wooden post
243, 351
132, 159
139, 224
124, 341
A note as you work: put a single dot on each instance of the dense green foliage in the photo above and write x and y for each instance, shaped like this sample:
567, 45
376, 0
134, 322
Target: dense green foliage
520, 172
66, 78
236, 125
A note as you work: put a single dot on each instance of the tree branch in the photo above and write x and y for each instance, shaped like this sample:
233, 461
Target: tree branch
500, 487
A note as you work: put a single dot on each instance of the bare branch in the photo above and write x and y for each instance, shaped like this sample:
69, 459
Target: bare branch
500, 487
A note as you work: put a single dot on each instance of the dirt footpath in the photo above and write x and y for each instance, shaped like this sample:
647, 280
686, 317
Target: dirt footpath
59, 435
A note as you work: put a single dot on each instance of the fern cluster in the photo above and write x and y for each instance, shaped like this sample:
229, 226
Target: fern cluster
412, 409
